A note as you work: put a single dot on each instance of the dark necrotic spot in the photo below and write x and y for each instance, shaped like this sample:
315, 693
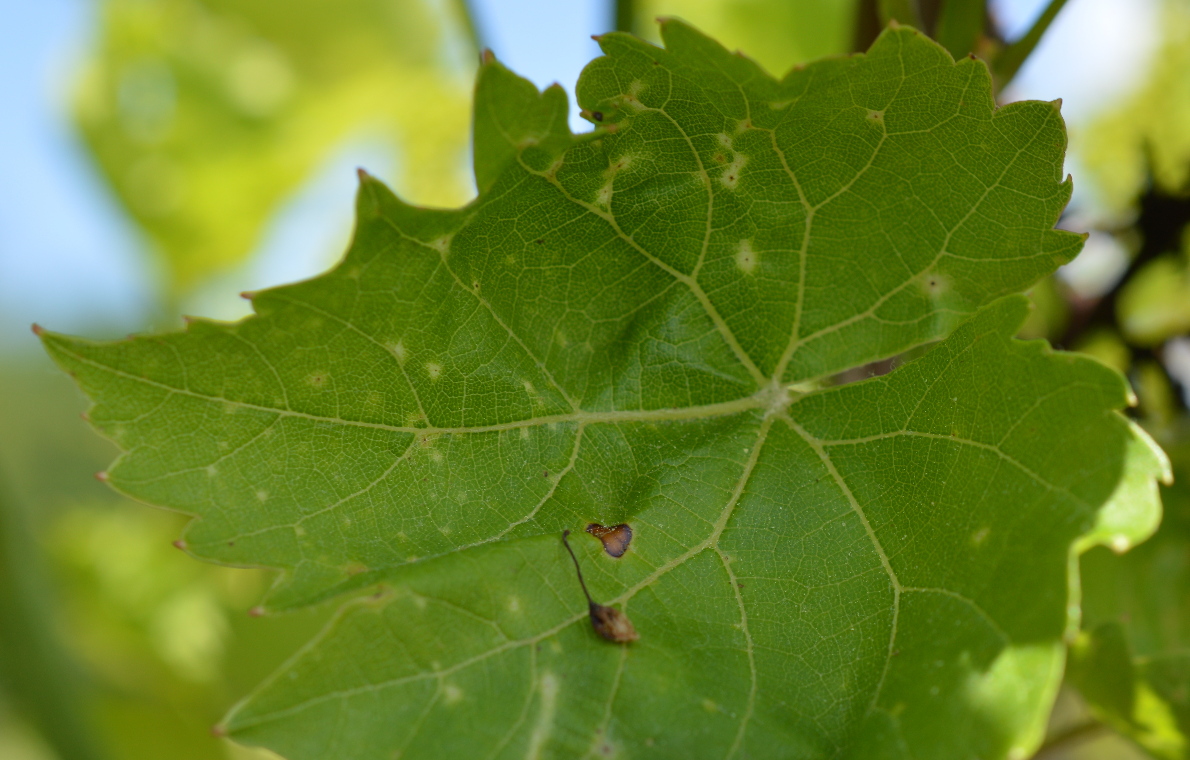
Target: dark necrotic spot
597, 115
615, 539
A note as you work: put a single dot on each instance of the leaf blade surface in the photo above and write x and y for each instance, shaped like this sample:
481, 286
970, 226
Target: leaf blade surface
613, 333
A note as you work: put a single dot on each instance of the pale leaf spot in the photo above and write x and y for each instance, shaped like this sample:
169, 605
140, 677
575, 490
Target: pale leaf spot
731, 173
745, 257
547, 688
604, 196
935, 285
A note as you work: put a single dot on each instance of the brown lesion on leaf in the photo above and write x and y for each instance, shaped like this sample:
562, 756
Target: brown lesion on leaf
612, 624
615, 538
609, 622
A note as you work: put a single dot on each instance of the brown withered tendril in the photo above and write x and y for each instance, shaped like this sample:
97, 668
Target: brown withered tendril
608, 622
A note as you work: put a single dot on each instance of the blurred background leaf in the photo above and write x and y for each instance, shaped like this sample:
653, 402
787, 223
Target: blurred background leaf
204, 114
1146, 138
777, 34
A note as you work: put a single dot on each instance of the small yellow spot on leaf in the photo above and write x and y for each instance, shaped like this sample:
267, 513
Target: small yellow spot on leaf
745, 257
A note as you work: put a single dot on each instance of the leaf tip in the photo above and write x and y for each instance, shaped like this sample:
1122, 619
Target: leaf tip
1057, 104
256, 611
248, 295
180, 544
219, 730
486, 58
38, 330
101, 476
362, 173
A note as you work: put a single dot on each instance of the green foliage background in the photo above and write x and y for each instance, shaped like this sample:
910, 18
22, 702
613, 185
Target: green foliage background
164, 640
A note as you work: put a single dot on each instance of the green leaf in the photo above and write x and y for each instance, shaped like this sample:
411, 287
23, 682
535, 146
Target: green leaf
636, 326
1130, 664
1154, 304
510, 115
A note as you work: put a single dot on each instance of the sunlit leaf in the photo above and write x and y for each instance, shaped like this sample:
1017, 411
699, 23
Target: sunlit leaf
778, 34
1131, 663
1147, 137
637, 326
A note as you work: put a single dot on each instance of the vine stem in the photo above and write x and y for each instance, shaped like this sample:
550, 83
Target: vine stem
624, 15
38, 674
466, 14
1009, 61
904, 11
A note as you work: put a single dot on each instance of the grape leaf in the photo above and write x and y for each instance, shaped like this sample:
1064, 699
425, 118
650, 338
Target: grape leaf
634, 326
1131, 662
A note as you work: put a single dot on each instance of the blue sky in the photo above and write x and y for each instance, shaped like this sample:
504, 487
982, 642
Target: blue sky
72, 261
